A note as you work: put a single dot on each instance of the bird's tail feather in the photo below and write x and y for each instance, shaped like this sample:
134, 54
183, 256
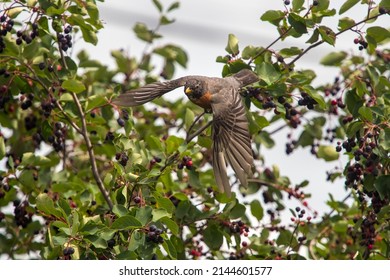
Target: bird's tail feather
246, 77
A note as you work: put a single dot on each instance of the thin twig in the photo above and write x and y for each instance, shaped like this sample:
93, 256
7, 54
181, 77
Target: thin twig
323, 41
91, 153
199, 131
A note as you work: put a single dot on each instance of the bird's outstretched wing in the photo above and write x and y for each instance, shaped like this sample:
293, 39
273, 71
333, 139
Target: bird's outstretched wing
231, 142
147, 93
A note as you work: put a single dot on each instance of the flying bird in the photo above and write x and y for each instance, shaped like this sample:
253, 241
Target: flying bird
221, 97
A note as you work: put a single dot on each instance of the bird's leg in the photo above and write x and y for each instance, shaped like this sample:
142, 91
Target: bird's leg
192, 136
199, 131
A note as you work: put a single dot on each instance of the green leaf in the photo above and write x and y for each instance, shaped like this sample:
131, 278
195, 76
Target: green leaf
297, 22
378, 33
173, 143
174, 6
73, 86
189, 118
341, 226
232, 45
288, 52
126, 222
166, 203
257, 210
120, 210
385, 4
333, 58
158, 5
328, 153
144, 215
286, 238
345, 23
268, 73
366, 113
213, 237
143, 33
314, 37
315, 95
238, 211
2, 147
46, 205
36, 160
272, 16
347, 5
297, 5
382, 185
173, 227
327, 35
171, 250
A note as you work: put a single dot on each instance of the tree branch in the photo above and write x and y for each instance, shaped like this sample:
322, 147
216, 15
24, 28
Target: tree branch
91, 153
336, 34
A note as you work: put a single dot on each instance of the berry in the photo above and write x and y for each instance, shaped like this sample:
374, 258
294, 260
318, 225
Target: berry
18, 41
68, 251
152, 228
356, 41
2, 216
121, 122
42, 65
3, 18
244, 244
382, 10
50, 68
286, 2
111, 243
137, 199
315, 3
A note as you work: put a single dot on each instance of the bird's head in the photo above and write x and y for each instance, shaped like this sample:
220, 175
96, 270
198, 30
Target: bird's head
193, 89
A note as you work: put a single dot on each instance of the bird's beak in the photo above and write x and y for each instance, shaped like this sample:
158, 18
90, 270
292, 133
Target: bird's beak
188, 90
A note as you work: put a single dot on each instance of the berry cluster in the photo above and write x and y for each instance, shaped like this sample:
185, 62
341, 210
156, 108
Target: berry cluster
362, 43
59, 136
68, 252
47, 106
109, 137
27, 36
65, 39
197, 251
237, 227
124, 117
368, 231
185, 162
307, 100
6, 26
26, 101
122, 158
153, 161
22, 216
154, 235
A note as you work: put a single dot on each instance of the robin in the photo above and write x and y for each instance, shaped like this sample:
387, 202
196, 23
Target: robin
221, 97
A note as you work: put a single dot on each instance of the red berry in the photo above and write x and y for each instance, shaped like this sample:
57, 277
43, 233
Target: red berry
356, 40
244, 244
333, 102
137, 199
189, 163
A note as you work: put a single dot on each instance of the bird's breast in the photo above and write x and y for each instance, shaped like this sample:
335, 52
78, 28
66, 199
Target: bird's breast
204, 101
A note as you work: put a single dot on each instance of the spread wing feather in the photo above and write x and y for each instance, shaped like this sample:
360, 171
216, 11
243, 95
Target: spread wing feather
231, 141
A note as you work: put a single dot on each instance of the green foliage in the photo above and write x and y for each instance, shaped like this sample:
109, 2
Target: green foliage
82, 179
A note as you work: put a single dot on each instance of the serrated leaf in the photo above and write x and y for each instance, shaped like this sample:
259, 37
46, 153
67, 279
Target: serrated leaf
126, 222
213, 237
378, 33
45, 204
366, 113
345, 23
298, 23
73, 86
327, 35
232, 45
333, 58
268, 73
328, 153
171, 225
257, 210
382, 185
347, 5
297, 5
272, 15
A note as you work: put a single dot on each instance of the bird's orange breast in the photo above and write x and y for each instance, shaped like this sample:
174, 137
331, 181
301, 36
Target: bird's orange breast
204, 101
